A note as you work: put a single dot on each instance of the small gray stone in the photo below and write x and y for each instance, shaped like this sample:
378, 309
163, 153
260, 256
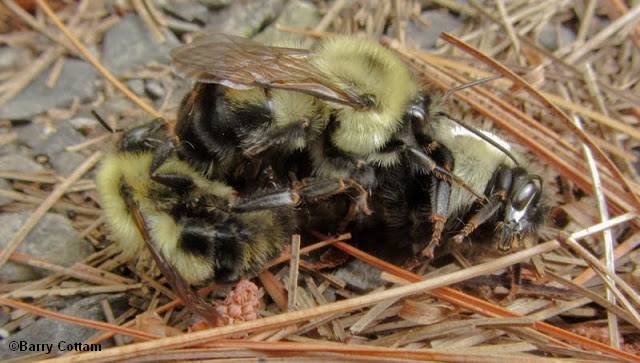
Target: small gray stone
439, 21
154, 89
554, 37
18, 162
52, 331
11, 57
129, 44
296, 14
360, 275
244, 18
137, 86
54, 239
83, 124
65, 162
187, 11
75, 81
6, 186
49, 142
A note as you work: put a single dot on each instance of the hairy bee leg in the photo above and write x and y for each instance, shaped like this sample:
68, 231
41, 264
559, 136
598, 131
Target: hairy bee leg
439, 196
499, 186
276, 199
433, 168
325, 188
172, 180
179, 182
279, 137
348, 218
515, 280
161, 154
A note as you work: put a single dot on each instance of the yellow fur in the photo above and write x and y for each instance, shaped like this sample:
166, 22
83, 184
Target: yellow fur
269, 238
475, 160
288, 108
366, 68
116, 169
166, 234
133, 170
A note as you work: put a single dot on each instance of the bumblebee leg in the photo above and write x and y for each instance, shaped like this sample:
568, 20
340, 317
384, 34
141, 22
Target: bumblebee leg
161, 154
176, 181
424, 160
326, 188
498, 187
515, 279
439, 196
280, 137
275, 199
179, 182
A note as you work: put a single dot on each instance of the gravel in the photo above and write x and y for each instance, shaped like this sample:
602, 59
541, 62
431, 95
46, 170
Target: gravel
76, 80
54, 239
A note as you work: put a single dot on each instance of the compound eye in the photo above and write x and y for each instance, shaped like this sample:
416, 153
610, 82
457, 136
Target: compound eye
524, 196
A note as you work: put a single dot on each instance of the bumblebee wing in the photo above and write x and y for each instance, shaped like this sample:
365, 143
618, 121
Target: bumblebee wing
241, 63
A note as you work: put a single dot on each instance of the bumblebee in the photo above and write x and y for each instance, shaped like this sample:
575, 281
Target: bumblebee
515, 207
348, 104
202, 228
417, 207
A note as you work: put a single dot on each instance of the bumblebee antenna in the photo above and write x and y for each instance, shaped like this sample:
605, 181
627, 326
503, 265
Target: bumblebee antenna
453, 90
483, 136
104, 123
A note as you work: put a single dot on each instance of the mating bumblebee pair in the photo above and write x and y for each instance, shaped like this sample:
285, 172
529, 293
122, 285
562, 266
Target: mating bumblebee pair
270, 133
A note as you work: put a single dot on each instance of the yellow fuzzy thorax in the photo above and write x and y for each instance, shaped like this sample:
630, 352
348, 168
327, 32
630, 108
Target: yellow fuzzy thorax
366, 68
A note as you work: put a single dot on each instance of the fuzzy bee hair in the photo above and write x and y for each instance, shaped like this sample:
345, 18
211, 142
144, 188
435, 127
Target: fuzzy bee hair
369, 69
191, 229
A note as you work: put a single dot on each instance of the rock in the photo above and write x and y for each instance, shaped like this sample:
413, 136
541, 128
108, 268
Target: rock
12, 57
554, 37
54, 239
52, 331
6, 186
187, 11
84, 124
137, 86
75, 81
425, 37
65, 162
154, 88
49, 141
244, 18
18, 162
129, 44
360, 275
296, 14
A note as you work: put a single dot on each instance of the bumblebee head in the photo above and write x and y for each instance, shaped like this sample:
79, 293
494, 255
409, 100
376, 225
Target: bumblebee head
145, 137
523, 212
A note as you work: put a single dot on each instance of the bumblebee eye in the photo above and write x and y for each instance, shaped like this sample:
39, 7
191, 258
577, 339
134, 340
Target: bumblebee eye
524, 196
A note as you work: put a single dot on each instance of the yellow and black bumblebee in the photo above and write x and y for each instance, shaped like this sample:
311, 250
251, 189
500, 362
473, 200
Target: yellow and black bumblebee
202, 227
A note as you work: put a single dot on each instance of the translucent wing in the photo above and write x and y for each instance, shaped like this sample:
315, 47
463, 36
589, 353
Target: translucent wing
241, 63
